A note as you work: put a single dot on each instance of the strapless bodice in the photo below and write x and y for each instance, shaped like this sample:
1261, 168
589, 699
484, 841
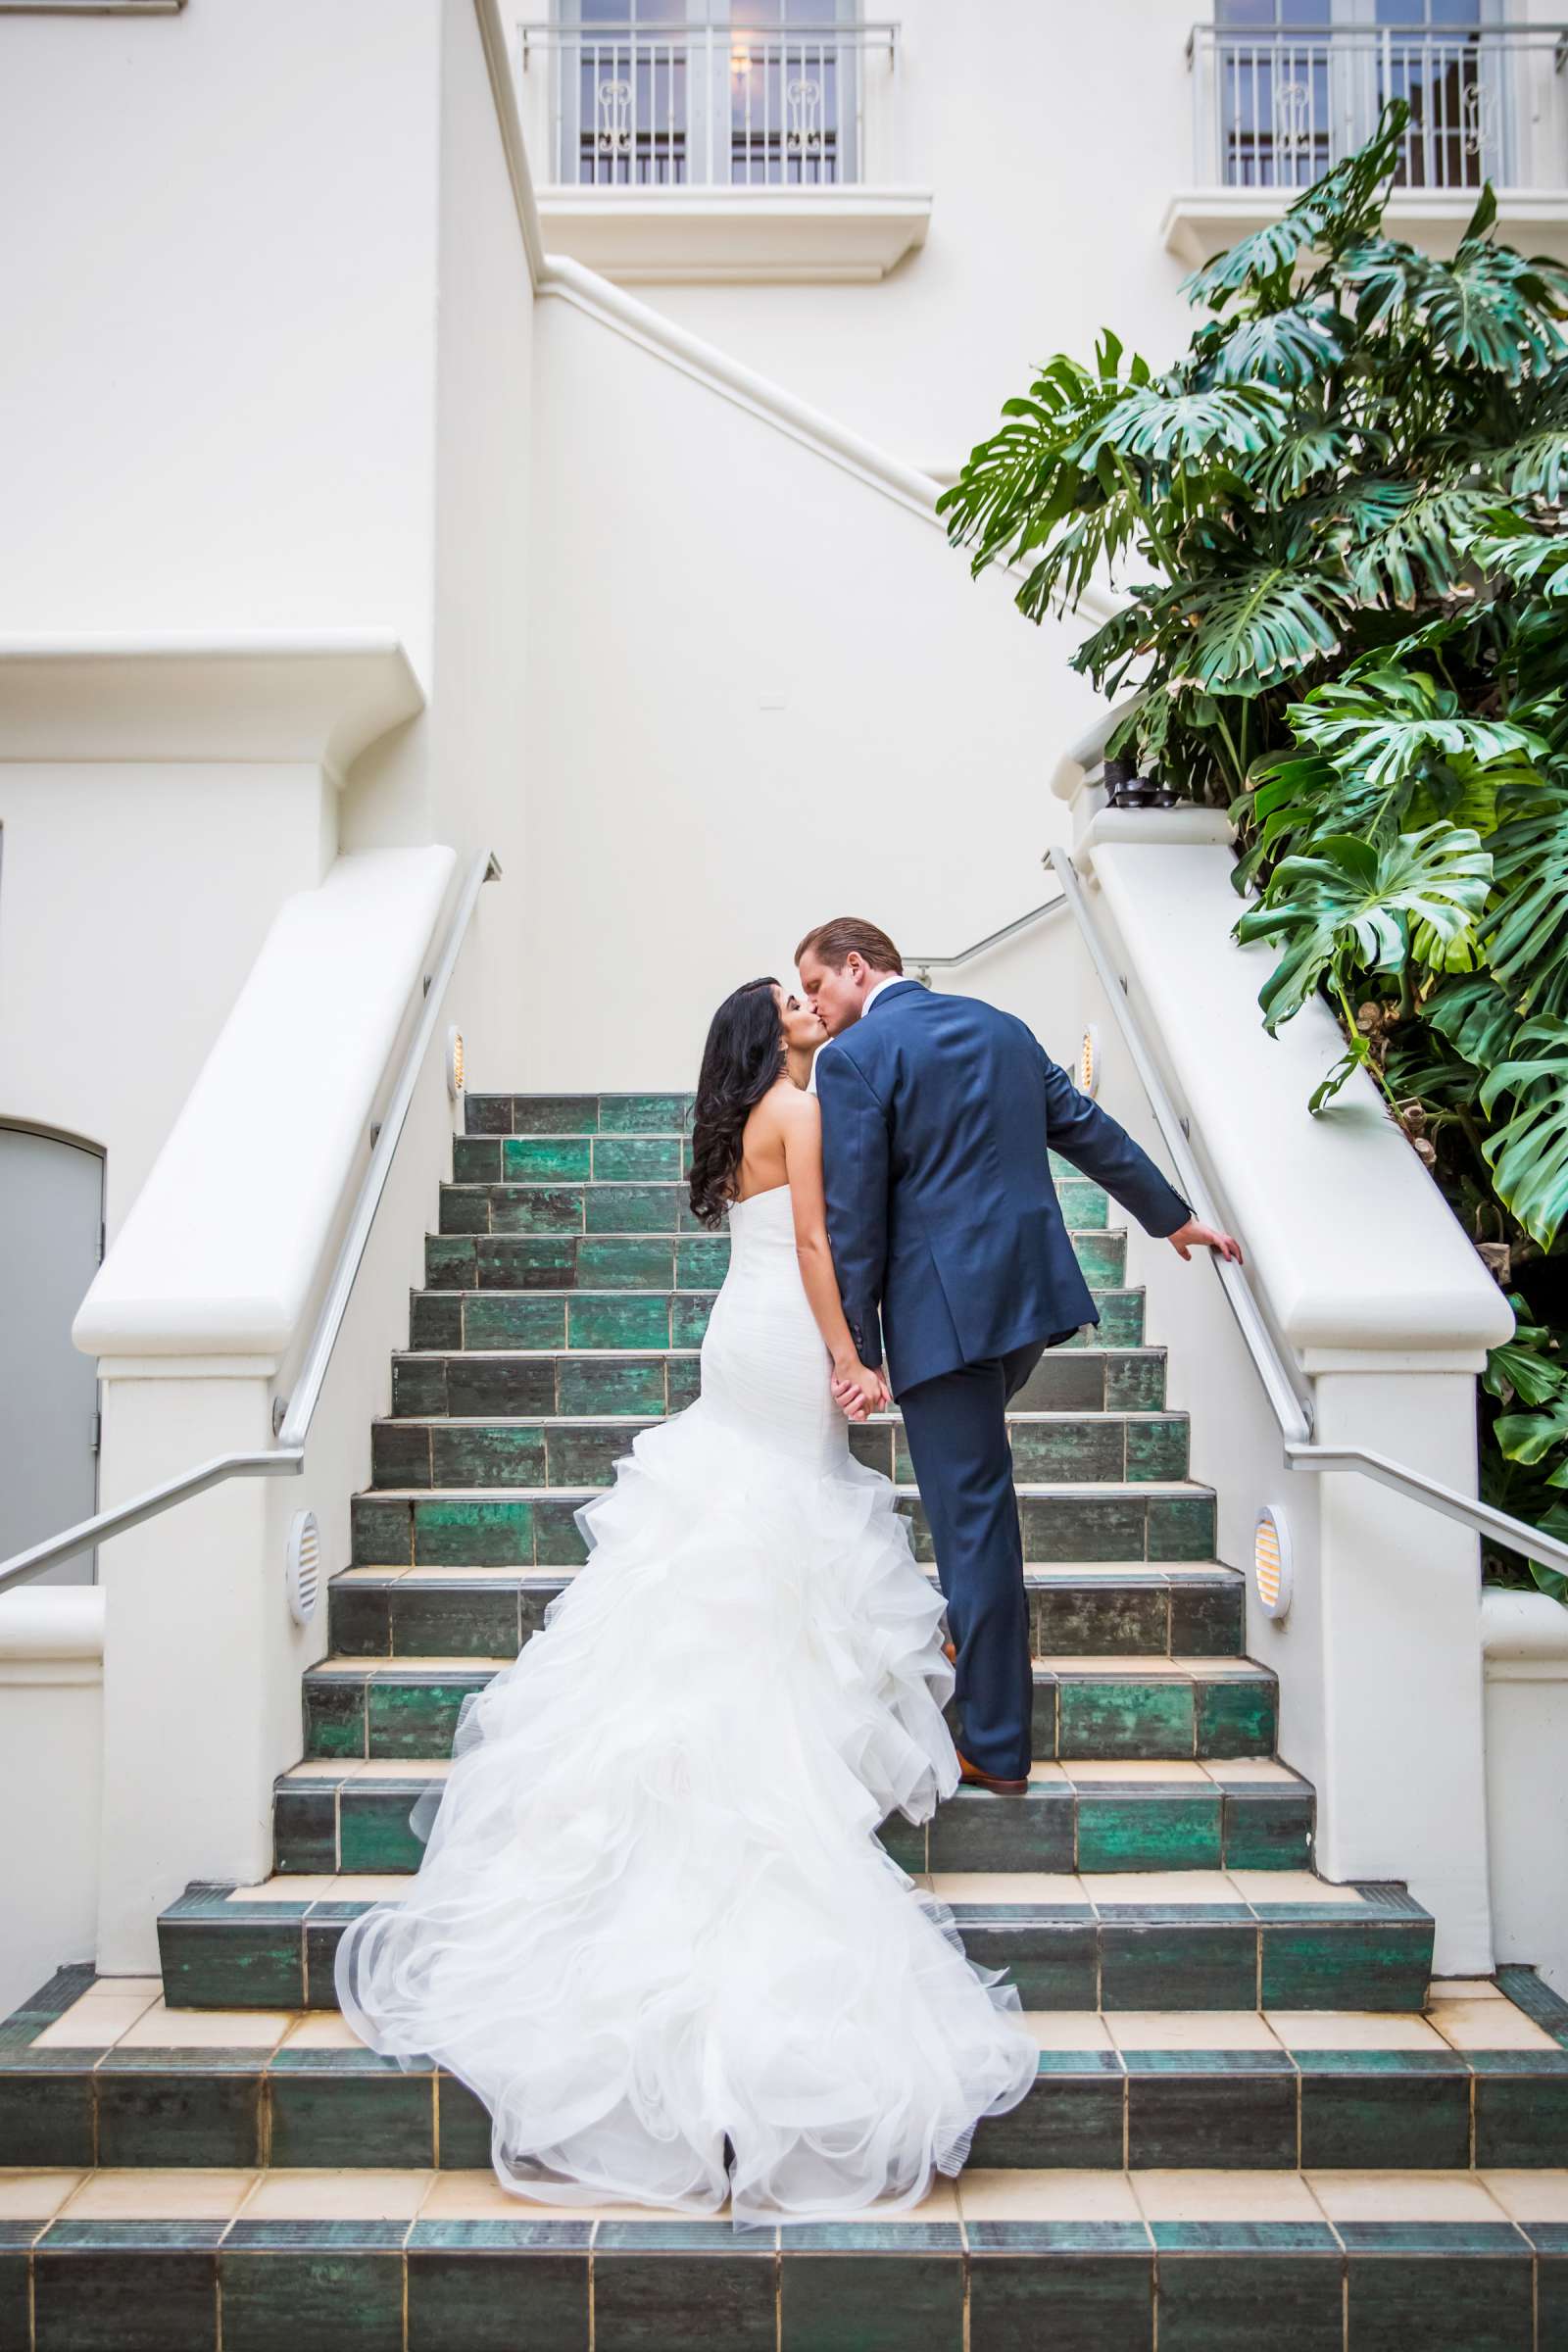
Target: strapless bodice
762, 1225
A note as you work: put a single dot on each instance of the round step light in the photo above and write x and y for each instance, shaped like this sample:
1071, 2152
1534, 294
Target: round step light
1089, 1063
1271, 1562
303, 1567
454, 1063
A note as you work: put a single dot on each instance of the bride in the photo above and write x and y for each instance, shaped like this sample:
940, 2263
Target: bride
652, 1929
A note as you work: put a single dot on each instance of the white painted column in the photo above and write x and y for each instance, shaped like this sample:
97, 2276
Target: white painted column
1383, 1310
51, 1688
1401, 1784
1525, 1639
194, 1643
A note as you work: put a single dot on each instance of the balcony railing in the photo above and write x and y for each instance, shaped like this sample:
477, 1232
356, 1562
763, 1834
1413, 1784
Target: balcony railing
1275, 106
705, 105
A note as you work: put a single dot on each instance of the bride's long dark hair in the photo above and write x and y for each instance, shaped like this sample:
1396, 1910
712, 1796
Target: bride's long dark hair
742, 1058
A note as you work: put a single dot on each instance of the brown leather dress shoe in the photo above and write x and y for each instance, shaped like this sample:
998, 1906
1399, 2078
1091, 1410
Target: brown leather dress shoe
972, 1774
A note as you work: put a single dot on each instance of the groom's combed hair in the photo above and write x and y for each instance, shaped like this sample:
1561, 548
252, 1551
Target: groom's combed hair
845, 936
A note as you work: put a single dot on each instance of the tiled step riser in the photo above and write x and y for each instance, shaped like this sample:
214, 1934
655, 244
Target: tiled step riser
1187, 1616
554, 1115
592, 1158
477, 1259
1065, 1381
1072, 2286
639, 1197
319, 1826
1124, 1449
580, 1161
270, 1956
1229, 2110
1122, 1964
577, 1114
576, 1262
1095, 2111
390, 1714
540, 1532
479, 1305
554, 1208
683, 1264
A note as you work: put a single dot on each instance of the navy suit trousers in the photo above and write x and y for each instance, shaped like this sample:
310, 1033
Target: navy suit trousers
957, 1435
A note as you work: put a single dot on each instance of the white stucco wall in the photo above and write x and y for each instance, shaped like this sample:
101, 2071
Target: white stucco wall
1051, 139
226, 307
134, 898
762, 693
462, 772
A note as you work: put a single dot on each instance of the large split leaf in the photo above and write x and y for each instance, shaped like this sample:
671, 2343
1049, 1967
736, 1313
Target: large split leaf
1177, 430
1354, 907
1289, 349
1529, 1156
1383, 721
1340, 210
1491, 309
1527, 559
1422, 548
1255, 628
1476, 1017
1526, 931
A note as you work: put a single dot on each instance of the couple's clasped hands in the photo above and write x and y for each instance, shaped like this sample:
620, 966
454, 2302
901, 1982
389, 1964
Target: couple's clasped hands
859, 1392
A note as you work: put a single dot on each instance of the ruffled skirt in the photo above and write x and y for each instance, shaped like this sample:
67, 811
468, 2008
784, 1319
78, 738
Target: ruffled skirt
653, 1913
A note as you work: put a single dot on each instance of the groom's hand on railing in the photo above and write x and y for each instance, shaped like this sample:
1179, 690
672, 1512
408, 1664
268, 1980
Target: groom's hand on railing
1194, 1236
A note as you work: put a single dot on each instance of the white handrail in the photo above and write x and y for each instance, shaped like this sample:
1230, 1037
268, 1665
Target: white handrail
287, 1458
924, 966
1290, 1409
662, 338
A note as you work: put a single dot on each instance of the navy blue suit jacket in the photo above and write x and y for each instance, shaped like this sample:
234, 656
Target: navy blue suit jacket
946, 1231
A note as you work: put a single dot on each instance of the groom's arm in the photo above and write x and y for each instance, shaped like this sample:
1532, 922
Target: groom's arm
855, 1178
1104, 1152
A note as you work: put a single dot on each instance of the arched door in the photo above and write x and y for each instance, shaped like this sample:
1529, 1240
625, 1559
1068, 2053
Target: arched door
51, 1223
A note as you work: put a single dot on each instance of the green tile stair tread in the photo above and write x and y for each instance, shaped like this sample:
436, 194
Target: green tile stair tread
1063, 1417
1141, 2186
1131, 1575
442, 1664
1029, 1490
1102, 1893
1088, 1778
1164, 1670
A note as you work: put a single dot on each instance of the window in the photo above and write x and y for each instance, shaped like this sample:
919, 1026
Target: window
744, 93
1298, 83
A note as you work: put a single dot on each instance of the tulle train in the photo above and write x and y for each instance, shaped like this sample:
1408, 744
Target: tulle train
652, 1911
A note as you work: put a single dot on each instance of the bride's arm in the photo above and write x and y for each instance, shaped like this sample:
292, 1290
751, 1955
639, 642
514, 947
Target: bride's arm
803, 1165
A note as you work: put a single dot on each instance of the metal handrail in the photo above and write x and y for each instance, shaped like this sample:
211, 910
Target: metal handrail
922, 966
1292, 1412
286, 1459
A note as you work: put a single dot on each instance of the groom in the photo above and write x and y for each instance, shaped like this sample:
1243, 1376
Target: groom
949, 1241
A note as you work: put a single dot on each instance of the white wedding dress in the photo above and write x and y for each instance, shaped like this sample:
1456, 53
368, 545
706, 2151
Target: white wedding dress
652, 1911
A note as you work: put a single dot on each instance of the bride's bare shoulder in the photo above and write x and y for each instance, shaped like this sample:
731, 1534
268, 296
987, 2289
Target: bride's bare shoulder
786, 1113
799, 1110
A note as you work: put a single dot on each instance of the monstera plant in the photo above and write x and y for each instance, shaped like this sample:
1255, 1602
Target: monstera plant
1338, 528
